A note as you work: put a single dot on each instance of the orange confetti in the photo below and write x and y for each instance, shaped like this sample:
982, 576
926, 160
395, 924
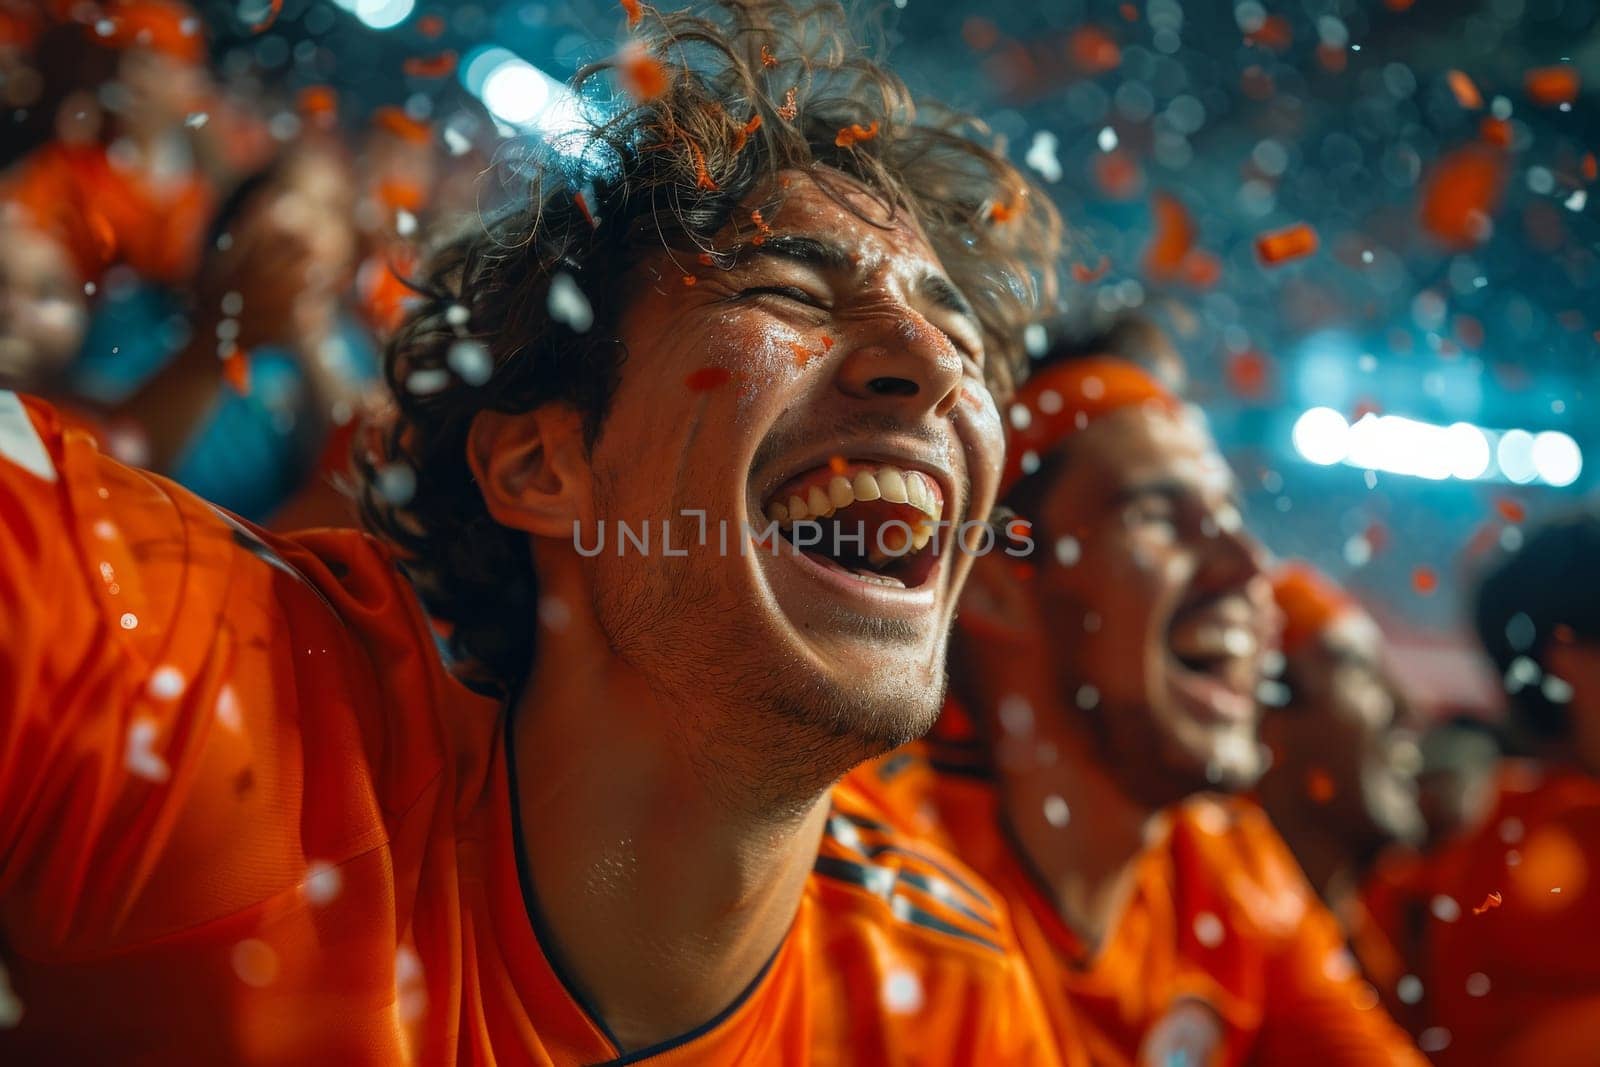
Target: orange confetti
1511, 510
635, 12
690, 279
319, 104
1274, 34
1398, 5
642, 74
1467, 94
789, 109
583, 208
429, 66
1129, 13
1333, 60
743, 134
236, 371
999, 213
762, 229
1248, 374
1320, 786
1019, 529
1590, 169
1257, 84
838, 465
802, 354
702, 176
707, 259
1093, 51
1490, 902
1552, 86
1117, 175
1462, 194
768, 60
264, 21
980, 33
1291, 242
827, 342
430, 26
855, 133
1495, 131
1201, 269
1425, 581
1089, 275
1173, 238
708, 378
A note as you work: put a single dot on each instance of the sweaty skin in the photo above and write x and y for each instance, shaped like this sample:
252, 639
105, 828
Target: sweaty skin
686, 718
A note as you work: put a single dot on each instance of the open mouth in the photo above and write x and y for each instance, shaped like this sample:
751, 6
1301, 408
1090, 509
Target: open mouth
1214, 658
872, 522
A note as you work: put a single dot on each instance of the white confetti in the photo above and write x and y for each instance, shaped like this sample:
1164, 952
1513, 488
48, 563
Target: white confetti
1208, 929
411, 992
457, 315
1016, 714
1556, 690
405, 223
166, 683
138, 758
1087, 697
1056, 812
568, 305
1021, 417
1445, 909
397, 483
1107, 139
1035, 339
322, 884
1577, 200
230, 712
471, 362
1522, 673
1042, 156
1068, 551
427, 381
456, 142
902, 992
1434, 1039
1477, 984
1409, 989
196, 119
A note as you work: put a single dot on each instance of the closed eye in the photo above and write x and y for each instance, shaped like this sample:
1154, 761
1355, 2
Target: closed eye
787, 292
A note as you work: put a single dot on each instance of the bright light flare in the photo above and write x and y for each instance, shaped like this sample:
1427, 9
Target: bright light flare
1461, 451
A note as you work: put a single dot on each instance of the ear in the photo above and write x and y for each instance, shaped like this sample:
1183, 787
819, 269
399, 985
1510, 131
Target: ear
999, 603
532, 468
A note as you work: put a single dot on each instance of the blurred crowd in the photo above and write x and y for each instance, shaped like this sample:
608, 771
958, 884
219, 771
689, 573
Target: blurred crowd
205, 288
202, 277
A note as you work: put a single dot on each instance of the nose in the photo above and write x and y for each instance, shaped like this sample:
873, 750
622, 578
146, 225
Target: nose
1238, 561
906, 365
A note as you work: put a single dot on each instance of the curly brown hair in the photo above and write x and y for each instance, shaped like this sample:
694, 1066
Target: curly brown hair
680, 159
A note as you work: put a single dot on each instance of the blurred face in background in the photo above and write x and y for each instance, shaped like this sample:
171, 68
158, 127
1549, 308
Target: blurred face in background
1342, 745
1456, 786
1155, 605
43, 311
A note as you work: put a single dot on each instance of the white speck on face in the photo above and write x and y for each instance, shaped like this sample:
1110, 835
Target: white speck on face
255, 963
1056, 812
902, 993
322, 884
1208, 929
166, 683
139, 759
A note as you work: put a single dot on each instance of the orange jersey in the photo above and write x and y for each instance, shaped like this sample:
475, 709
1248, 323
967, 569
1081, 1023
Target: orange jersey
1505, 925
104, 215
1221, 955
247, 817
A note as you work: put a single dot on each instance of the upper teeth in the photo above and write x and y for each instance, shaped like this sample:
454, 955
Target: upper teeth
886, 483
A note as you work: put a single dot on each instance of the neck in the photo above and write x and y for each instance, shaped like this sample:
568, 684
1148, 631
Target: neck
663, 896
1087, 864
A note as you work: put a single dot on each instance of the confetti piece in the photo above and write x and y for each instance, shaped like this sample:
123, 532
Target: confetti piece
1248, 374
702, 176
1093, 51
430, 26
635, 12
902, 993
138, 758
1462, 194
471, 361
768, 60
1274, 34
1490, 902
1589, 168
567, 304
236, 371
583, 208
1173, 238
855, 133
743, 134
1511, 510
690, 279
802, 353
1129, 13
642, 74
322, 884
259, 15
838, 465
763, 231
1425, 581
1086, 275
255, 963
827, 342
1320, 786
1001, 213
1495, 131
1117, 175
1552, 86
790, 108
708, 378
1281, 246
1042, 156
1201, 269
1466, 93
706, 259
1398, 5
436, 66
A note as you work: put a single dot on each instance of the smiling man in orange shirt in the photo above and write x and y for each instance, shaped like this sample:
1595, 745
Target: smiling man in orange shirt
246, 815
1104, 690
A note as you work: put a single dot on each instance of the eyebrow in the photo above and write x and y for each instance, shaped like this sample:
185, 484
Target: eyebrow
1175, 489
827, 256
